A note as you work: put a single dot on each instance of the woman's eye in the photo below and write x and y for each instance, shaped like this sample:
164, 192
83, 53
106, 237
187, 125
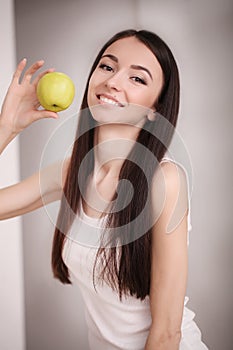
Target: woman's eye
139, 80
105, 67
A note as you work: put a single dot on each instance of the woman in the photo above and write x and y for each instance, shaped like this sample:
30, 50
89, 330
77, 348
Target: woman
126, 246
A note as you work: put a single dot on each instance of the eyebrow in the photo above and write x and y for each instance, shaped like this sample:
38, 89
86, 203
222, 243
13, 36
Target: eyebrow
134, 66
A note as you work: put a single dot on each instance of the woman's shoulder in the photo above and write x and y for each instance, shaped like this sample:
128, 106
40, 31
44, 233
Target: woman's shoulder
172, 169
170, 188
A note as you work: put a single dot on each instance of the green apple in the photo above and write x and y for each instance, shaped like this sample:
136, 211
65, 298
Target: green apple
55, 91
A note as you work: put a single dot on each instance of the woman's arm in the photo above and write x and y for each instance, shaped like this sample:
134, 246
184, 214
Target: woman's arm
169, 257
32, 193
19, 110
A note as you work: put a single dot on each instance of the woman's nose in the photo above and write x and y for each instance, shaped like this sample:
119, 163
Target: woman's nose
115, 82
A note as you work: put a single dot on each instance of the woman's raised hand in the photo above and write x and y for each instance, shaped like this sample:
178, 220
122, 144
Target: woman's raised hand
20, 107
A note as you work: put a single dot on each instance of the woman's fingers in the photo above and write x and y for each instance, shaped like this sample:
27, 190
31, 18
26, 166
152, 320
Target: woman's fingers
19, 70
31, 70
44, 114
42, 74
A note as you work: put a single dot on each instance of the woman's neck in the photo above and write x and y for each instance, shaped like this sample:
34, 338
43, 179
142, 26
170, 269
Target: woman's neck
113, 143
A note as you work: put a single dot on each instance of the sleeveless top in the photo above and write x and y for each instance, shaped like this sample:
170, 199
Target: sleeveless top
113, 324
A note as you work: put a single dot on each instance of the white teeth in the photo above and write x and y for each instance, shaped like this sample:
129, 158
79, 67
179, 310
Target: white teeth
109, 101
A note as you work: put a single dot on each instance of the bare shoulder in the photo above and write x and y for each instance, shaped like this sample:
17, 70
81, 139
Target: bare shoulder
171, 172
169, 194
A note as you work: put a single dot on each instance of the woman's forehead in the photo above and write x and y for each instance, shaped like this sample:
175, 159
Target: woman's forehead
132, 51
127, 44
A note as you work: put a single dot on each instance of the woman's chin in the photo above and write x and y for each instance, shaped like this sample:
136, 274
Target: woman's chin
110, 114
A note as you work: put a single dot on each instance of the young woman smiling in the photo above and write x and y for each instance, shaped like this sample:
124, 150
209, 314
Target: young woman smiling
122, 228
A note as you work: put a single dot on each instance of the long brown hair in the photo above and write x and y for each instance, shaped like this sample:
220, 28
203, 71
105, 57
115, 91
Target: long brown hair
127, 266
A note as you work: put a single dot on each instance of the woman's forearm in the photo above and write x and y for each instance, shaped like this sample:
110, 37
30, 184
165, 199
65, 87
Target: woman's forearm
6, 136
163, 341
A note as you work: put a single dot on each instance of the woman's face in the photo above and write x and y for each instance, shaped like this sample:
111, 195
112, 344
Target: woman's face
128, 78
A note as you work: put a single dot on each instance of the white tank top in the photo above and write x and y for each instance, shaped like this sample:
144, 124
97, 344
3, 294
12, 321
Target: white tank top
113, 324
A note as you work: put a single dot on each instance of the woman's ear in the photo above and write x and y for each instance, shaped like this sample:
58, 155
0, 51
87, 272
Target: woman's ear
151, 116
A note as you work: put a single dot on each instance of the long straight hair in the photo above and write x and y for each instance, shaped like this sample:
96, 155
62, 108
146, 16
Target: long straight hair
127, 267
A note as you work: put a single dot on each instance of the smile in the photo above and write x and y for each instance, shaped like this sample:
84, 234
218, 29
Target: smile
110, 101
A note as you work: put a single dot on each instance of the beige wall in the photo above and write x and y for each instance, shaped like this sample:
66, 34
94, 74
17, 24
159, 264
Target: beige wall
11, 271
67, 35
